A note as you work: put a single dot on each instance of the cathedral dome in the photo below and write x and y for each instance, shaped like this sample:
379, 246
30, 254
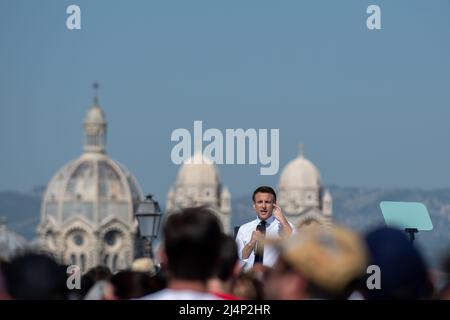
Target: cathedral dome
198, 184
87, 213
198, 172
93, 186
301, 194
300, 173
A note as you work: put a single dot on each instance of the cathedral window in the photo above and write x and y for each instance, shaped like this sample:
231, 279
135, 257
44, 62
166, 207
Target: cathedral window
112, 238
114, 263
83, 261
78, 239
73, 259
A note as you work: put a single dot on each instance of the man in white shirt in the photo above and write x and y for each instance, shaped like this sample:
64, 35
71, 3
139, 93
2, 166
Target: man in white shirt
270, 223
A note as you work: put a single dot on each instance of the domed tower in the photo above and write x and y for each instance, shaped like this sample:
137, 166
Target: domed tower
87, 213
301, 195
198, 183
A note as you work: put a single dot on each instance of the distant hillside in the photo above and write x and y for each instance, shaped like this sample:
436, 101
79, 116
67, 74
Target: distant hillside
356, 208
21, 211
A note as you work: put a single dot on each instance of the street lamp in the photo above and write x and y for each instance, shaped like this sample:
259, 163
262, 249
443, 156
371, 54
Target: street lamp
149, 219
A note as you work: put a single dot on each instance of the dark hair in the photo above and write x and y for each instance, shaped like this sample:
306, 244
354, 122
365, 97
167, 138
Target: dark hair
192, 240
131, 284
248, 286
36, 276
228, 256
265, 189
93, 275
404, 271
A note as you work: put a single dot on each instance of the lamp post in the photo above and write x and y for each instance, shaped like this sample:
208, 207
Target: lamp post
149, 219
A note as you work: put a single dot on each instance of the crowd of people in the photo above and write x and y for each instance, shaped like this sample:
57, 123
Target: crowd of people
268, 259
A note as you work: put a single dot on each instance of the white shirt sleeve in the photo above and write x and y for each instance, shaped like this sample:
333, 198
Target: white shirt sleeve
240, 243
240, 246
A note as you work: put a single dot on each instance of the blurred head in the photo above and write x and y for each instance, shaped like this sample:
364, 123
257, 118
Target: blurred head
144, 265
248, 286
92, 276
192, 240
101, 290
444, 293
321, 263
130, 284
36, 276
264, 199
227, 266
3, 292
403, 270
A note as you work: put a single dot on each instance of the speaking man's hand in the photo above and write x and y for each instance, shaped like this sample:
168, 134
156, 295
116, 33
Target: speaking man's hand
278, 214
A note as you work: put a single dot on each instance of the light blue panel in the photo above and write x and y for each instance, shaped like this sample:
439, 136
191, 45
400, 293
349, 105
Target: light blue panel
406, 215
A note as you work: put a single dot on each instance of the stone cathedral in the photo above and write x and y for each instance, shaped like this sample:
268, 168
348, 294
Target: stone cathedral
87, 214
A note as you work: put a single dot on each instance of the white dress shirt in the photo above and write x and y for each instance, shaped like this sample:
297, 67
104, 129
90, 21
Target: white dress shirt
244, 235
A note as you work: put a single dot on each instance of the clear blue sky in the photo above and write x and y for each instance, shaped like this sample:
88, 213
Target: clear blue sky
371, 107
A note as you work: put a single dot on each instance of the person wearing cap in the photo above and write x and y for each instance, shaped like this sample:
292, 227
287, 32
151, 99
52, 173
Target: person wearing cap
319, 263
270, 222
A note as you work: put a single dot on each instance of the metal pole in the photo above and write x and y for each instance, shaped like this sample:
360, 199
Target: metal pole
148, 247
411, 232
